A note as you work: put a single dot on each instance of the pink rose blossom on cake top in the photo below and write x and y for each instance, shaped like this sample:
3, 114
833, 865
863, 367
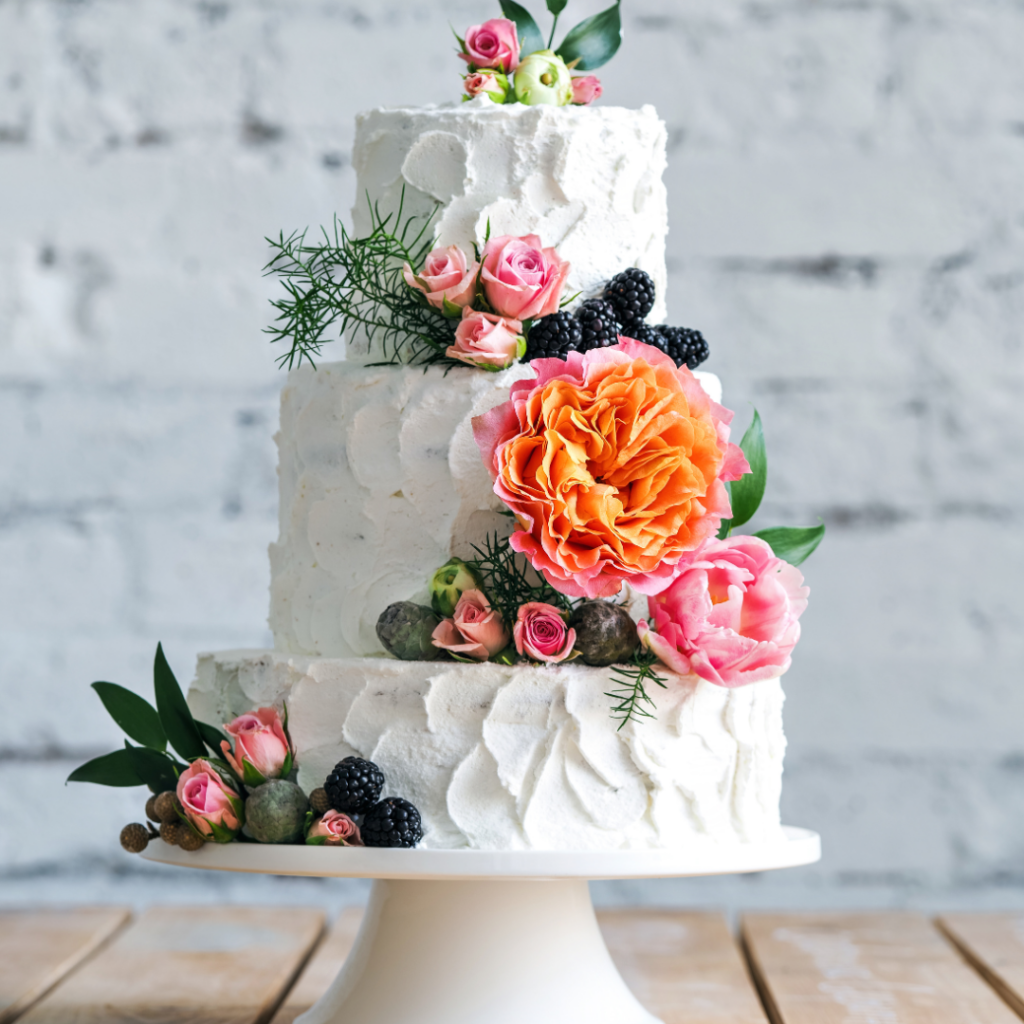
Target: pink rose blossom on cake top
494, 44
476, 631
446, 275
336, 829
586, 89
521, 280
540, 633
208, 800
485, 339
259, 739
614, 463
731, 615
494, 85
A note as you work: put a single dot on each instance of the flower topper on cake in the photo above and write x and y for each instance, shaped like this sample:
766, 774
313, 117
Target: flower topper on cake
509, 61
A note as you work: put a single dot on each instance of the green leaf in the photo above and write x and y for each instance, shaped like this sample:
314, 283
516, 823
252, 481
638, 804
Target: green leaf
316, 840
155, 769
114, 769
221, 834
530, 38
793, 544
449, 309
252, 776
725, 527
212, 736
748, 491
137, 717
593, 42
175, 716
557, 6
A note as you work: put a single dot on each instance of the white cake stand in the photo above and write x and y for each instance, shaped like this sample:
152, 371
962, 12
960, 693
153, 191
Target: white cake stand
479, 937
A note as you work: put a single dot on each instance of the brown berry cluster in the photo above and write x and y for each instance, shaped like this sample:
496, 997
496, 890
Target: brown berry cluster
163, 810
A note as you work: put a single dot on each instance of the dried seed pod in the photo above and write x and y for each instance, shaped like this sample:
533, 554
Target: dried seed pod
135, 837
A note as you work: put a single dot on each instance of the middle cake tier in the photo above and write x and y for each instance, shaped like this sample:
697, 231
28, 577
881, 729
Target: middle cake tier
381, 482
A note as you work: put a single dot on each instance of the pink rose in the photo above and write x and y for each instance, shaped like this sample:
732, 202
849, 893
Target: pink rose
520, 279
494, 44
334, 829
476, 631
586, 89
492, 84
212, 806
446, 274
483, 339
540, 633
731, 615
262, 750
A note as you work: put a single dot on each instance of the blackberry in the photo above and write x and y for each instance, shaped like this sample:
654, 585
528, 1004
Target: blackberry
392, 822
685, 345
631, 294
354, 785
553, 336
599, 324
647, 334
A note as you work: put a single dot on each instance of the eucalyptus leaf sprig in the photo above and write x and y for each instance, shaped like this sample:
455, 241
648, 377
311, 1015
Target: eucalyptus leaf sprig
344, 283
160, 733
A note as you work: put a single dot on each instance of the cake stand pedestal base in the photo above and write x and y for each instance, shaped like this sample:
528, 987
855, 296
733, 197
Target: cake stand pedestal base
479, 952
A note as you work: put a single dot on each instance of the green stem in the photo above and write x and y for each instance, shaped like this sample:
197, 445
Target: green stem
554, 25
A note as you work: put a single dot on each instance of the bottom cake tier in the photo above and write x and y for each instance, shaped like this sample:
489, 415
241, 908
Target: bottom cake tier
524, 757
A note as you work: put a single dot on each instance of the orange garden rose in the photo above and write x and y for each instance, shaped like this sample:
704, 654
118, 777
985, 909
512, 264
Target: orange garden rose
614, 463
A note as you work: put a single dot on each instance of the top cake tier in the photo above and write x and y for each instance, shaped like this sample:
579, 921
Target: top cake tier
585, 180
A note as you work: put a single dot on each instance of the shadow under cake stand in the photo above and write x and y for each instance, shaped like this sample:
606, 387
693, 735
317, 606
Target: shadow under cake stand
482, 937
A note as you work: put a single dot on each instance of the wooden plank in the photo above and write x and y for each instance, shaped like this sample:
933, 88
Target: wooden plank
203, 965
994, 945
323, 966
890, 968
40, 947
683, 967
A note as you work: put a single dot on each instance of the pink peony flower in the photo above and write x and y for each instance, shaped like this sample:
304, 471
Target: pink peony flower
614, 464
731, 615
494, 44
494, 85
209, 803
446, 274
483, 339
335, 829
586, 89
540, 633
260, 742
520, 279
476, 631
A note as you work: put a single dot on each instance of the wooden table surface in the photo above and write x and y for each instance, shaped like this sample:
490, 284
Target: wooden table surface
239, 965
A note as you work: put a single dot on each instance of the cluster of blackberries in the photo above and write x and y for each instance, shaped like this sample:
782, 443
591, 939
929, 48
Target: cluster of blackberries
622, 309
354, 787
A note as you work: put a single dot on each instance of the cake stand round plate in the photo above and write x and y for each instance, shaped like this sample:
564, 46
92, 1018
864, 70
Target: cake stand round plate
482, 937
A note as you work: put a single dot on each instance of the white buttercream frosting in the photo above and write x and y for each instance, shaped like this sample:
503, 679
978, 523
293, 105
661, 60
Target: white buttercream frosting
587, 180
498, 757
381, 482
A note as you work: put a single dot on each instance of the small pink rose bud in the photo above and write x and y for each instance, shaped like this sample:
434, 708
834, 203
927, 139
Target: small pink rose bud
487, 340
521, 279
541, 633
334, 829
476, 631
260, 742
585, 90
494, 44
212, 805
447, 276
487, 83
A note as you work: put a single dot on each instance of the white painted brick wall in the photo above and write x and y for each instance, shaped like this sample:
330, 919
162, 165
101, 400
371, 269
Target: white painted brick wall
846, 182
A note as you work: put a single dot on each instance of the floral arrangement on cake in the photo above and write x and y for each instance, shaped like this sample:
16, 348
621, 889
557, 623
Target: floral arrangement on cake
508, 60
617, 468
209, 786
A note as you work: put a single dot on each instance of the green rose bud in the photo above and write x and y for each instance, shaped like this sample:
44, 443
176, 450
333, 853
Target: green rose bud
405, 629
448, 583
276, 812
543, 79
605, 634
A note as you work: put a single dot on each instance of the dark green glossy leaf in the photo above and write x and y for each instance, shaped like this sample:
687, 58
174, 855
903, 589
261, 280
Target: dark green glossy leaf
748, 491
557, 6
114, 769
593, 42
212, 736
793, 544
174, 713
154, 768
137, 717
530, 38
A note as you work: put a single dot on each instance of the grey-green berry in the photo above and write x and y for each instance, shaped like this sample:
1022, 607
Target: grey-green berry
605, 634
405, 629
276, 812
